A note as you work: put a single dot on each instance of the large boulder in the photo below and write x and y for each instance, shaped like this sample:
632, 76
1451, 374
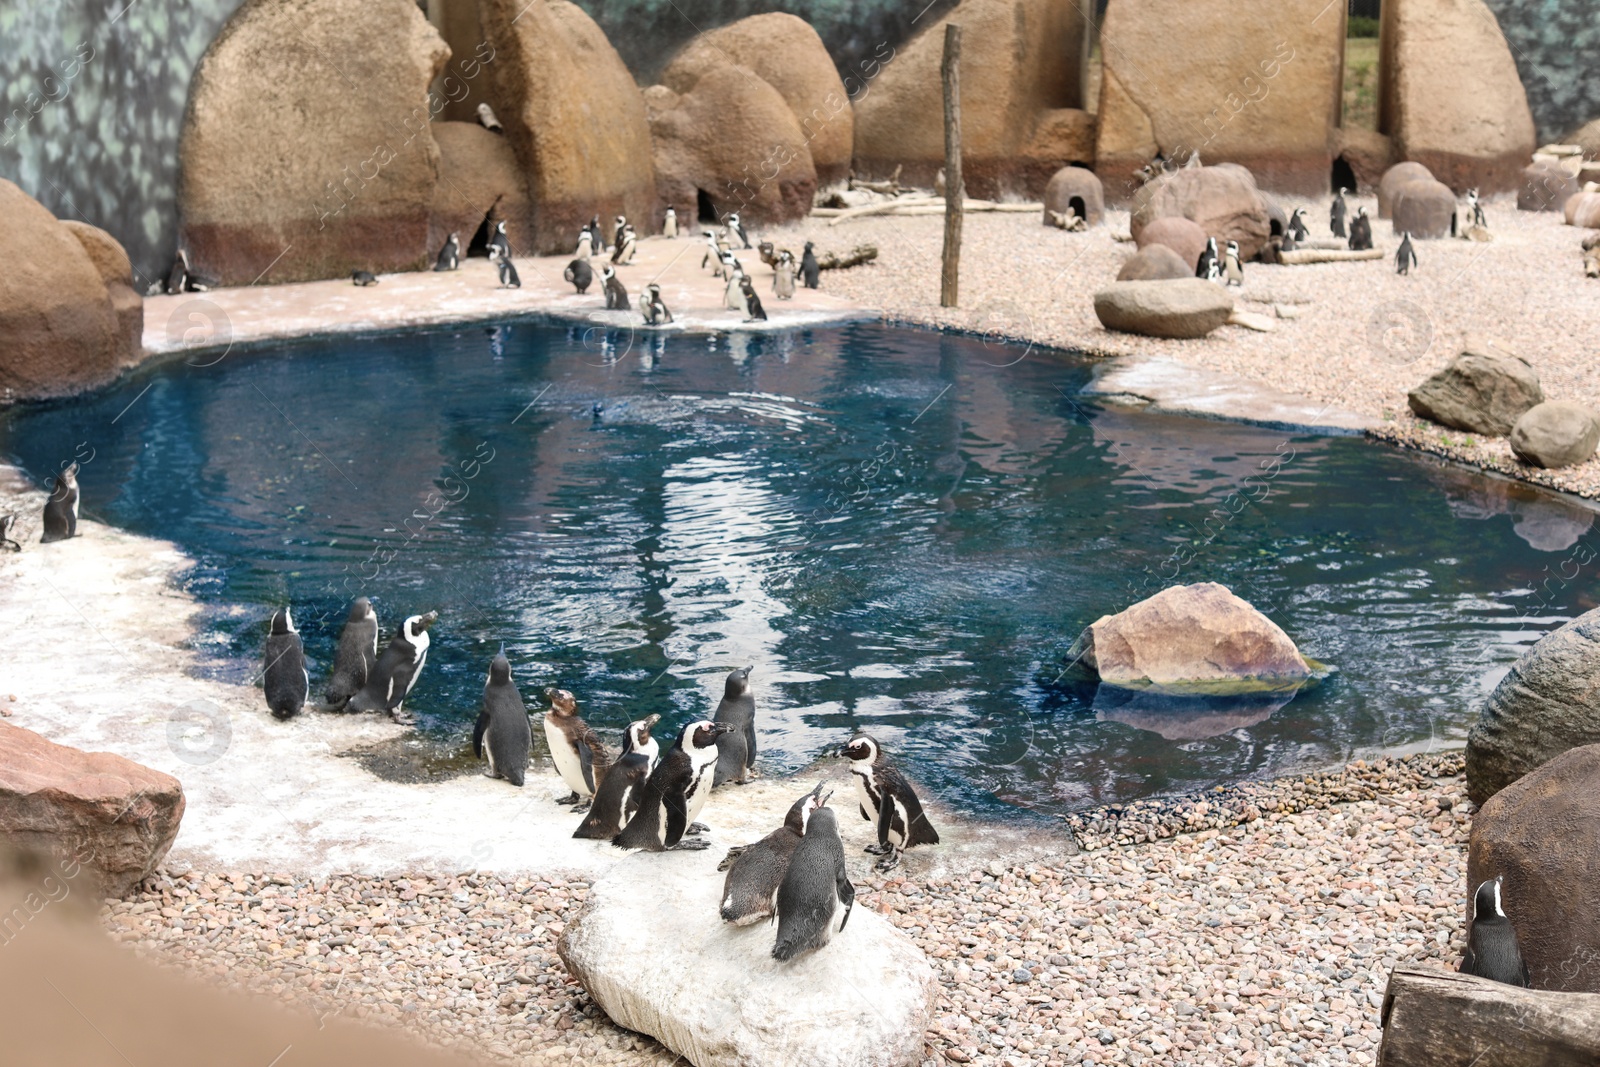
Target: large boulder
1583, 211
306, 147
1393, 179
1423, 208
1223, 201
1191, 75
1587, 138
1182, 235
1545, 187
1547, 703
1153, 263
116, 271
110, 815
1075, 189
1541, 834
62, 332
786, 53
1450, 96
1176, 308
573, 115
478, 171
732, 137
1019, 60
1556, 433
1190, 640
1483, 390
653, 919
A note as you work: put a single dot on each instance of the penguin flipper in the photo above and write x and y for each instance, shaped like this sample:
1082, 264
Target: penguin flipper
677, 818
478, 732
845, 889
750, 742
586, 761
885, 817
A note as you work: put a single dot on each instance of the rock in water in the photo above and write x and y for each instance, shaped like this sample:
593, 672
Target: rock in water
1548, 703
1173, 307
1556, 433
1484, 390
1190, 639
650, 948
1542, 833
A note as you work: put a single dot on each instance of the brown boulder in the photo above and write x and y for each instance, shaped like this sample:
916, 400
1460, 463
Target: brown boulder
1587, 138
1583, 211
1483, 390
306, 147
111, 261
478, 170
1154, 262
1178, 308
1450, 96
1366, 151
1063, 135
573, 115
1545, 187
1393, 179
111, 815
1182, 235
1423, 208
1075, 189
1556, 433
1542, 835
1223, 201
786, 53
61, 330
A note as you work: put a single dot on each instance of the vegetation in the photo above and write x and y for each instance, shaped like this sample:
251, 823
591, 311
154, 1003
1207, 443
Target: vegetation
1359, 26
1361, 82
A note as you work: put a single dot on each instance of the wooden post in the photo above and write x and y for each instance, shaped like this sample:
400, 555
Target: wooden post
955, 191
1436, 1019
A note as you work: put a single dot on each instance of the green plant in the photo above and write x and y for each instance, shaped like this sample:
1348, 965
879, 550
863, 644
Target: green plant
1360, 26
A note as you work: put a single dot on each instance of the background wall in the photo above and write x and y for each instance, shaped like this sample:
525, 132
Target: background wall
1556, 44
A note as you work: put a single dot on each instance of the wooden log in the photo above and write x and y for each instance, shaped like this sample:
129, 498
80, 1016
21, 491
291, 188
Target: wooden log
854, 258
1318, 255
891, 187
955, 188
1441, 1019
884, 207
917, 205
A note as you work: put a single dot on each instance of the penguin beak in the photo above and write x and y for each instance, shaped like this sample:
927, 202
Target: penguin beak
722, 728
844, 752
429, 619
651, 720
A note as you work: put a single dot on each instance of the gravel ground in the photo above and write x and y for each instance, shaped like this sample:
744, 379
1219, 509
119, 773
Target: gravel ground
1360, 338
1265, 937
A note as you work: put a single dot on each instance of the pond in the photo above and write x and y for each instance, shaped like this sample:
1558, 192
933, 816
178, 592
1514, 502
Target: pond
903, 531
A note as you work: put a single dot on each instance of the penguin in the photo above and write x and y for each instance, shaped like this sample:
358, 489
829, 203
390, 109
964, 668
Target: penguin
450, 254
1406, 257
284, 667
1297, 226
616, 234
487, 120
813, 887
654, 308
1492, 950
1289, 241
1206, 266
733, 297
616, 295
627, 244
1360, 231
579, 273
669, 225
750, 890
1337, 214
585, 249
809, 270
355, 657
363, 278
885, 797
1475, 208
617, 797
783, 276
503, 729
397, 670
5, 532
178, 276
61, 507
713, 252
675, 792
735, 229
581, 758
736, 750
509, 279
754, 312
499, 243
594, 230
767, 254
1232, 271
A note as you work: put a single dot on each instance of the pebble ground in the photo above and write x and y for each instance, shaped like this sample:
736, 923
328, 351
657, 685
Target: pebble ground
1249, 925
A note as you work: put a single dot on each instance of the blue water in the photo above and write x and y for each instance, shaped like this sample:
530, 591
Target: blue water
904, 531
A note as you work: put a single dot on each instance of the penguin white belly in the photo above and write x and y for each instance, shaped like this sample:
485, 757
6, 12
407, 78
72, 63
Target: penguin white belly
864, 793
899, 824
416, 672
566, 760
699, 790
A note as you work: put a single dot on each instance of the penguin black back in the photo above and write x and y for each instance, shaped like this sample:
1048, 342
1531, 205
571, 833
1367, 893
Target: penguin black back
616, 799
397, 669
284, 667
812, 888
61, 509
503, 729
1492, 949
810, 272
580, 274
750, 890
672, 791
509, 278
736, 749
888, 800
357, 654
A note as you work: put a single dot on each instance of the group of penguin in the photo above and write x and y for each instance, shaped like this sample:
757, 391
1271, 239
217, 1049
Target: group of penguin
361, 679
624, 243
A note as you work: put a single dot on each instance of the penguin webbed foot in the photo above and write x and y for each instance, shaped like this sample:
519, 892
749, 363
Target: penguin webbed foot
690, 845
889, 862
571, 798
698, 828
403, 718
876, 850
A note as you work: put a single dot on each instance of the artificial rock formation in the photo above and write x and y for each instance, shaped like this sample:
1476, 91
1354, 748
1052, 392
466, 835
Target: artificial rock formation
1546, 187
1393, 178
1183, 236
1154, 262
116, 271
1450, 97
1556, 433
1366, 151
1078, 190
1175, 308
1583, 211
1483, 390
1223, 201
478, 171
1424, 208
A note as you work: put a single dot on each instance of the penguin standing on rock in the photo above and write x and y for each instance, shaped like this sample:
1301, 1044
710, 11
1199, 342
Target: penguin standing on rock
616, 295
1360, 231
1232, 270
1475, 208
888, 800
809, 271
450, 254
355, 657
1492, 949
397, 670
487, 120
1406, 257
503, 729
617, 797
754, 312
653, 307
669, 225
5, 533
284, 667
675, 793
736, 749
733, 297
1207, 266
580, 756
580, 274
814, 886
755, 872
713, 252
61, 507
1337, 214
783, 276
616, 233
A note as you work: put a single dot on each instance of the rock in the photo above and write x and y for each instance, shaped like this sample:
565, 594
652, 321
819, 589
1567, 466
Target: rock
339, 90
116, 271
1366, 151
1190, 640
1545, 187
1078, 190
1587, 138
1063, 135
1423, 207
1548, 703
1450, 96
1583, 211
1393, 179
1154, 262
573, 116
653, 919
1189, 75
1179, 234
786, 53
1185, 718
1556, 433
1223, 201
721, 138
1542, 834
1483, 390
1177, 308
1019, 60
62, 332
478, 170
113, 816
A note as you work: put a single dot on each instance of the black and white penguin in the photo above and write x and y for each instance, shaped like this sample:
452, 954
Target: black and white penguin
1406, 257
450, 254
754, 312
487, 120
355, 657
713, 253
284, 667
1232, 269
1360, 231
783, 276
669, 225
61, 507
585, 250
178, 276
509, 278
1207, 266
755, 871
1492, 949
1337, 214
735, 230
733, 296
397, 670
580, 274
503, 730
616, 294
626, 245
653, 307
617, 797
809, 271
675, 793
581, 758
5, 533
736, 749
888, 800
1475, 208
363, 278
1297, 226
594, 230
813, 887
499, 243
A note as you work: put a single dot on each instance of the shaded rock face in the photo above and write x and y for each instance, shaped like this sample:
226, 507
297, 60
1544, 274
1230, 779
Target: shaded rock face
1223, 201
1367, 152
1019, 60
653, 920
1483, 390
1424, 208
116, 271
786, 53
1542, 834
1177, 308
1548, 703
1189, 640
1395, 177
1556, 433
478, 170
1078, 190
1450, 97
1154, 262
573, 115
1554, 45
306, 148
1545, 187
1182, 235
111, 815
